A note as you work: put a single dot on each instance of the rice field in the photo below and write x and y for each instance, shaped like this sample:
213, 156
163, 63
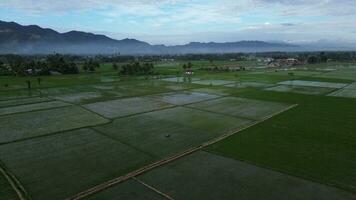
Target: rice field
313, 84
240, 107
180, 79
248, 84
204, 175
63, 91
32, 124
352, 86
295, 72
16, 102
213, 82
32, 107
167, 132
103, 87
74, 133
314, 140
6, 191
300, 89
347, 74
78, 97
348, 93
183, 98
215, 91
55, 163
18, 94
129, 190
125, 107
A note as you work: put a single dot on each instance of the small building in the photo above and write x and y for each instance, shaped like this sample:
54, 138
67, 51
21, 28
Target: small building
289, 62
189, 72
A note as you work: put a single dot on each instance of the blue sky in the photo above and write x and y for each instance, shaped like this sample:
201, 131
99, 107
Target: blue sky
181, 21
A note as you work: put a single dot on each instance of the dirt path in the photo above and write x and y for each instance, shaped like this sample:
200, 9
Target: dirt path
147, 168
152, 188
15, 184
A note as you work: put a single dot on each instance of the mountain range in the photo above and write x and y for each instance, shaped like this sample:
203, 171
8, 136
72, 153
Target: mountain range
18, 39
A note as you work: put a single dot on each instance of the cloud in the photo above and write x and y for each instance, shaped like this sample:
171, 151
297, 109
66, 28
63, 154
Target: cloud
207, 8
309, 7
288, 24
235, 19
80, 5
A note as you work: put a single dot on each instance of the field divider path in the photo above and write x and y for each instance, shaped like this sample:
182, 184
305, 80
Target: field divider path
209, 111
337, 89
33, 111
122, 142
162, 162
112, 119
188, 104
81, 106
58, 132
22, 104
153, 188
15, 184
89, 126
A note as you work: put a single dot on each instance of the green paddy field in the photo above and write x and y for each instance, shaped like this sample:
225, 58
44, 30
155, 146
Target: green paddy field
255, 134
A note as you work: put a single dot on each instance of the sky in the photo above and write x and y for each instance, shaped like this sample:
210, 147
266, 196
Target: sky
173, 22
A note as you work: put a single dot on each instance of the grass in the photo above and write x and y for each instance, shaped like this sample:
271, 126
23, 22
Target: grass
314, 140
32, 124
168, 132
207, 176
59, 166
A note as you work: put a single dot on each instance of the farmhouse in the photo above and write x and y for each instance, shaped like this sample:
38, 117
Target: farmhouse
189, 72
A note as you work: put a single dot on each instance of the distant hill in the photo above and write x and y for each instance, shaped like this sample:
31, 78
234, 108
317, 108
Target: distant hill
15, 38
241, 46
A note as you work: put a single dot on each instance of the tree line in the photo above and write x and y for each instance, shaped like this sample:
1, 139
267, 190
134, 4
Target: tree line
21, 65
312, 57
135, 68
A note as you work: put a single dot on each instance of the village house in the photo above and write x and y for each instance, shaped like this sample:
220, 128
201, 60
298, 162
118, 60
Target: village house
289, 62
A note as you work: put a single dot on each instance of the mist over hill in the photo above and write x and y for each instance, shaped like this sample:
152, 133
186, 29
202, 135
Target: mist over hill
18, 39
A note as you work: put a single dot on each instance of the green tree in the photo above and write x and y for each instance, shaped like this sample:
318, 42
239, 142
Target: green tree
115, 66
323, 57
137, 69
190, 65
312, 60
3, 69
185, 67
91, 65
